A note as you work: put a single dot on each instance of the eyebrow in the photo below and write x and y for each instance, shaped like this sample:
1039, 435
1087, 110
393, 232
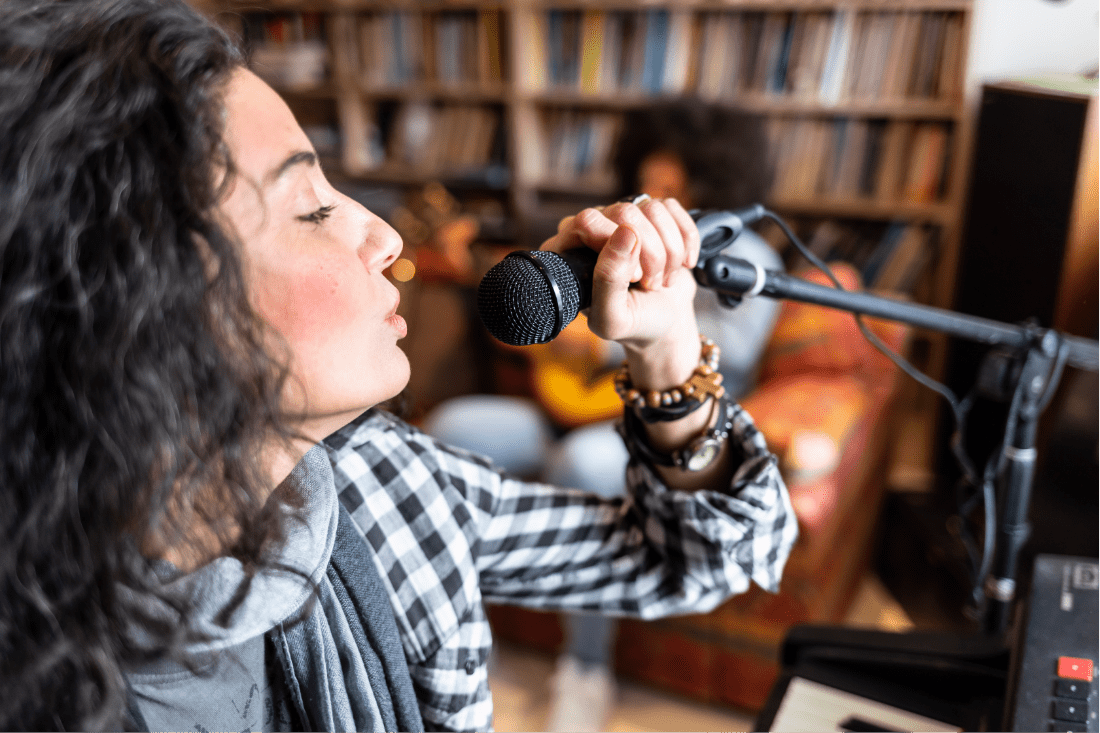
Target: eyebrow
302, 157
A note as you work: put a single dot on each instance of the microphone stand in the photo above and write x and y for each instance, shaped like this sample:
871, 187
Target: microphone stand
1028, 373
966, 674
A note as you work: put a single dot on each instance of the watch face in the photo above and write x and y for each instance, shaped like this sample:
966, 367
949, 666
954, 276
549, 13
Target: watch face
701, 454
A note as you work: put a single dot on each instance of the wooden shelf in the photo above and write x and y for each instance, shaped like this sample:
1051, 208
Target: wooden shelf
390, 174
920, 91
865, 208
495, 93
751, 5
349, 6
770, 104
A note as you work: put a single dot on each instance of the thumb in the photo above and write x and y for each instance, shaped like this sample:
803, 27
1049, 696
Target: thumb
618, 260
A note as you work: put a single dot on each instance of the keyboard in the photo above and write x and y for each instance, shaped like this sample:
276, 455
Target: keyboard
1055, 688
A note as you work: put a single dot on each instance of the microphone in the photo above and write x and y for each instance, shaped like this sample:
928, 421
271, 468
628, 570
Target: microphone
530, 296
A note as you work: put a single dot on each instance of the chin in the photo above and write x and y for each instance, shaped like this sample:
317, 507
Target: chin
397, 379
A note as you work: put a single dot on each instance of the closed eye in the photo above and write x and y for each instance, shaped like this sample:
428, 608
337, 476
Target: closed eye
316, 217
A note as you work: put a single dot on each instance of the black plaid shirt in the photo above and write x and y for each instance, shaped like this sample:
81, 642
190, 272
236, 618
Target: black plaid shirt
450, 531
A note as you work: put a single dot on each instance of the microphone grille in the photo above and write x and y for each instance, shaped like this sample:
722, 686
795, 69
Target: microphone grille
516, 301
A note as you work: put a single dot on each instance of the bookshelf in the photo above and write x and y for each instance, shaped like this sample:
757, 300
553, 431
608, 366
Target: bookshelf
521, 101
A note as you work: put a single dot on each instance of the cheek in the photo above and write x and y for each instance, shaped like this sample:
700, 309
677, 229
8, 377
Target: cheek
307, 304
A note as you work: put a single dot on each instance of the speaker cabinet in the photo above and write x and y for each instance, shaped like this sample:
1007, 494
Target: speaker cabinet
1030, 229
1029, 247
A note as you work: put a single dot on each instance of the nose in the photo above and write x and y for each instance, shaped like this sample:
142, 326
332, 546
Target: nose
381, 244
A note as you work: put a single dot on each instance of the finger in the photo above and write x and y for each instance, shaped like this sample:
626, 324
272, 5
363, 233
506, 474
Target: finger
688, 231
610, 316
589, 228
669, 231
652, 254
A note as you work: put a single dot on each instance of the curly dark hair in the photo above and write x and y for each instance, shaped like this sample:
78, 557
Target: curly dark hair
135, 390
725, 150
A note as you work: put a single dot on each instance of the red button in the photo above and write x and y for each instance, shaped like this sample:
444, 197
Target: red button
1074, 668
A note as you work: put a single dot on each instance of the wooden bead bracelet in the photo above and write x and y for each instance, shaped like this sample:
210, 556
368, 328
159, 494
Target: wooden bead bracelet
672, 404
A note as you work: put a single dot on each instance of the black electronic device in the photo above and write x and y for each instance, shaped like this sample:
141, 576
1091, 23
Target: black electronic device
836, 678
1054, 681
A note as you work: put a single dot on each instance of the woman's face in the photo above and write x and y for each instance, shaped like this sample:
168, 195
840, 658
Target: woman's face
662, 175
313, 261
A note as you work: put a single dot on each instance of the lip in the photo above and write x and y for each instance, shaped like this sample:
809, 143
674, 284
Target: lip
398, 324
395, 321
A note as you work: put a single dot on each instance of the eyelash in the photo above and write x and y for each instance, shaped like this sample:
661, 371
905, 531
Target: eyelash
318, 216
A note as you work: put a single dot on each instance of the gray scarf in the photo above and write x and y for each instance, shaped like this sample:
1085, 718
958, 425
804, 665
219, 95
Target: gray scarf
340, 667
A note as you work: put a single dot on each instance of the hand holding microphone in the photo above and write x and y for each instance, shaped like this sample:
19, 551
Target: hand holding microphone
637, 258
530, 296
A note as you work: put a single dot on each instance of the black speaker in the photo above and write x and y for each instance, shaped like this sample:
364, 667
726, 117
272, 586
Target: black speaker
1028, 252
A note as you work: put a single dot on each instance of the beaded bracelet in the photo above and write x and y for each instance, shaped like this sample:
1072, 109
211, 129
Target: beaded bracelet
672, 404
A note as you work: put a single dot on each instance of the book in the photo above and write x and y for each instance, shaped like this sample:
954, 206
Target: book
490, 65
719, 54
899, 59
852, 154
361, 148
469, 48
633, 52
811, 157
929, 49
857, 68
769, 46
872, 158
836, 58
890, 238
835, 151
399, 34
893, 158
592, 50
448, 46
694, 59
800, 57
656, 47
534, 77
907, 258
949, 82
611, 53
748, 46
879, 30
606, 129
679, 51
777, 75
531, 164
411, 135
927, 162
563, 43
345, 47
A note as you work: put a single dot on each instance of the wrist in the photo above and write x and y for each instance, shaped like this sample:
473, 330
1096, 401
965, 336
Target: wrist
663, 363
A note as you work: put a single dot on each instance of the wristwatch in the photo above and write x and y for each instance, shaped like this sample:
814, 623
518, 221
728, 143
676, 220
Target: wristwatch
695, 456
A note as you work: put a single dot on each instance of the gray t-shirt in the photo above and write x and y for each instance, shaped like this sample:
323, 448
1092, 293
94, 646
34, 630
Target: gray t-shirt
229, 691
229, 687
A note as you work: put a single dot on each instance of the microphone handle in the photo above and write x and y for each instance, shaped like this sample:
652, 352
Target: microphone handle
582, 263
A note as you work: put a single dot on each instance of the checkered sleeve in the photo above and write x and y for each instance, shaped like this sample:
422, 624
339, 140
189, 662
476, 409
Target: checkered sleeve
447, 530
654, 553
